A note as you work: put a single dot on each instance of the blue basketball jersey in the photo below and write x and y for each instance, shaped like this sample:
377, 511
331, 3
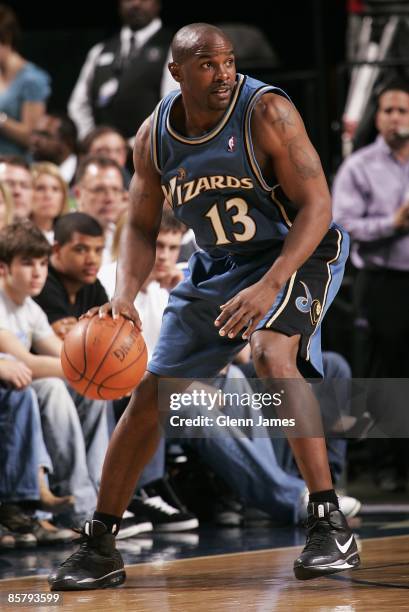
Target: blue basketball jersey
214, 183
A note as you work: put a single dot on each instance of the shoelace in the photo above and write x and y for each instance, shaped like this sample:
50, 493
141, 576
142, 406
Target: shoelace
159, 504
83, 541
318, 536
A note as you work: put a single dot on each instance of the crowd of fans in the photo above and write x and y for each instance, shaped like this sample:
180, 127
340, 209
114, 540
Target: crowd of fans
63, 203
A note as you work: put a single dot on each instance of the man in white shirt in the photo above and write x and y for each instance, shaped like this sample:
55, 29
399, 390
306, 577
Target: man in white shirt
122, 78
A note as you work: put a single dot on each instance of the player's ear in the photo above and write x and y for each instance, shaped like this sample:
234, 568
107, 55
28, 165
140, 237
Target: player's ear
174, 70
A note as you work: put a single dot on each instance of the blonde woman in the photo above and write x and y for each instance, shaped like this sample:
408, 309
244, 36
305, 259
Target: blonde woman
6, 206
50, 197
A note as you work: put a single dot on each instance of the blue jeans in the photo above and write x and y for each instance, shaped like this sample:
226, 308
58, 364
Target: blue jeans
76, 434
22, 447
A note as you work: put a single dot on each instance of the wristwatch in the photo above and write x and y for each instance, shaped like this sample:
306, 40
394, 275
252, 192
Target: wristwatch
3, 118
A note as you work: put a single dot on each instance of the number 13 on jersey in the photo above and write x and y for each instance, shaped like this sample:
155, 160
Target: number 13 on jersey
240, 209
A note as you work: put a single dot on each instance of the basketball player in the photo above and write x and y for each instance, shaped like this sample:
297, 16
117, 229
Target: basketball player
232, 157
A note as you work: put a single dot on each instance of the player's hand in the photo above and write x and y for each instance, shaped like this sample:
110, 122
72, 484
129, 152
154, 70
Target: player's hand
63, 326
119, 306
15, 373
246, 310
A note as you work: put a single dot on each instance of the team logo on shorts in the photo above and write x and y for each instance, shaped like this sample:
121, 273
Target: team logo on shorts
306, 305
315, 311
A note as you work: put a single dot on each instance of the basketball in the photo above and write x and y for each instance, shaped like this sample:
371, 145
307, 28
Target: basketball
104, 358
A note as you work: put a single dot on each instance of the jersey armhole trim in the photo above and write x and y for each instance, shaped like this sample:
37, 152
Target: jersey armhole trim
155, 142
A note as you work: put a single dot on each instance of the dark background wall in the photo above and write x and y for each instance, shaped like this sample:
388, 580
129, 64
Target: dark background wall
307, 35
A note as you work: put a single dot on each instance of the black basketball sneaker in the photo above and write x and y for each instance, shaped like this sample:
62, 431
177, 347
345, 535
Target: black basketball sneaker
96, 565
330, 546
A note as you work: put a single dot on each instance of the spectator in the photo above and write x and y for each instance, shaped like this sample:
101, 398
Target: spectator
106, 141
22, 453
371, 200
50, 197
72, 286
6, 205
100, 191
15, 173
75, 429
54, 139
120, 82
25, 89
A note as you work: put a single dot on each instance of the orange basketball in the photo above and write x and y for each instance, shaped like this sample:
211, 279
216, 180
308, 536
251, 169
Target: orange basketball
104, 358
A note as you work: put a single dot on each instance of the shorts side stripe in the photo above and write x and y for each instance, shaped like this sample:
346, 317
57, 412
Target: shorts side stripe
285, 301
329, 263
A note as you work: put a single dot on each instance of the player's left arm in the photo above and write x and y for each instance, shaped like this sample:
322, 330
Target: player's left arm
281, 143
281, 137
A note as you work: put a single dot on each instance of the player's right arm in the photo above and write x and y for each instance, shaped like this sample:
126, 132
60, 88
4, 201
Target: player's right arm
138, 241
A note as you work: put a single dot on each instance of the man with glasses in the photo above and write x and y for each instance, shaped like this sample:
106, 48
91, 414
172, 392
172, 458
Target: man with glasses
100, 192
54, 139
15, 173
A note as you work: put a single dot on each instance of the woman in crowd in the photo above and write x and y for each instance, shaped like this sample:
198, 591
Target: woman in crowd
24, 88
50, 197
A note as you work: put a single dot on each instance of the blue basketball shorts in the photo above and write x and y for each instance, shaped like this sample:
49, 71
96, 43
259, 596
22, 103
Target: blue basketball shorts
190, 346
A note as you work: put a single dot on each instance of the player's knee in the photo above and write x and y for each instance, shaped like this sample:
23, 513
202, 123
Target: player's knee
270, 363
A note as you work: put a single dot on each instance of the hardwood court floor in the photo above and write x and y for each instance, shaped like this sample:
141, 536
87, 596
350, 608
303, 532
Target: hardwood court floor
260, 581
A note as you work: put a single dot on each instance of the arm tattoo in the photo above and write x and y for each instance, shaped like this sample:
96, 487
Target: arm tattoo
305, 165
282, 120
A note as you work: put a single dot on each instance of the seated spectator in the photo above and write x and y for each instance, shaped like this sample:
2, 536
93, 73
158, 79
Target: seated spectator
6, 205
24, 89
23, 459
54, 139
72, 287
106, 141
75, 429
50, 198
15, 173
100, 192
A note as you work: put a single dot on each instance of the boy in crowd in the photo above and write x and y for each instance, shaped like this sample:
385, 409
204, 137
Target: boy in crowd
75, 431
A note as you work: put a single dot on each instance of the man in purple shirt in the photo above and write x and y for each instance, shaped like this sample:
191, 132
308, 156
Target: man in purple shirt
371, 201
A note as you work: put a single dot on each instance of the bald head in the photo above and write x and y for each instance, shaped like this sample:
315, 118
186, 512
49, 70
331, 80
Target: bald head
195, 39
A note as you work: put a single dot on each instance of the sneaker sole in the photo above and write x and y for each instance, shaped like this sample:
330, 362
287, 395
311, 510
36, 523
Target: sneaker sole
113, 579
133, 530
303, 572
180, 526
